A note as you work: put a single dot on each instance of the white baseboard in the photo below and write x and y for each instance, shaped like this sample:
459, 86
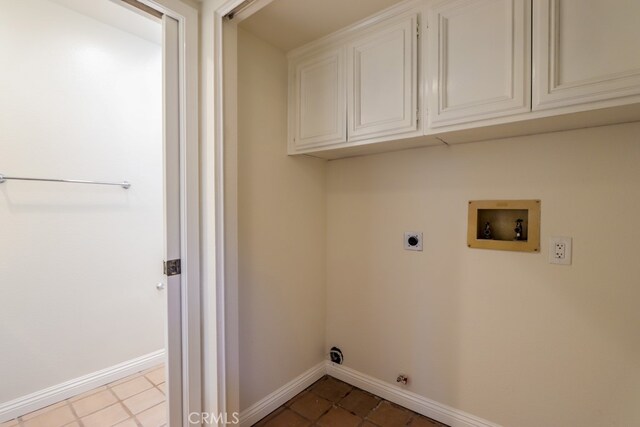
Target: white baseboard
264, 407
49, 396
429, 408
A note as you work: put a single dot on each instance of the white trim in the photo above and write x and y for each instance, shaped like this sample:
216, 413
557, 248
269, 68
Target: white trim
218, 140
228, 192
213, 350
43, 398
427, 407
264, 407
251, 8
190, 228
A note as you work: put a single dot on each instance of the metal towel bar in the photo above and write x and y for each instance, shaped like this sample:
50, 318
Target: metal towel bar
124, 184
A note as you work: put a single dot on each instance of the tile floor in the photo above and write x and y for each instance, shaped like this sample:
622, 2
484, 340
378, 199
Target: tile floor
137, 400
333, 403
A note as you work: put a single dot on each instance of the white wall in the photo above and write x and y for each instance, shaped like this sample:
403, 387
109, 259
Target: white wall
502, 335
281, 232
78, 264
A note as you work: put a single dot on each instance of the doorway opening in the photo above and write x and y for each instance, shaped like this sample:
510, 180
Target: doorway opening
93, 201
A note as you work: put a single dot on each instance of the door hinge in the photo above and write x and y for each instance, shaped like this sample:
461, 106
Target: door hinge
418, 30
172, 267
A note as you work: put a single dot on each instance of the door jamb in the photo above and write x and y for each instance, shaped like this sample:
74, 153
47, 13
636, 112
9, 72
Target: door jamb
219, 157
190, 226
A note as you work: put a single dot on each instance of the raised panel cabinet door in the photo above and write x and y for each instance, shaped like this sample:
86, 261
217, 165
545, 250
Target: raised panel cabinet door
585, 51
318, 100
383, 85
479, 60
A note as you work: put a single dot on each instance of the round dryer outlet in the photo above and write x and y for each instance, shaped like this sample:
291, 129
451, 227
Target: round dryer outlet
413, 241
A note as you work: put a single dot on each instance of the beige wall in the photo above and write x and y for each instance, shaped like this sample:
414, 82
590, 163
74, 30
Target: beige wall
78, 264
281, 232
502, 335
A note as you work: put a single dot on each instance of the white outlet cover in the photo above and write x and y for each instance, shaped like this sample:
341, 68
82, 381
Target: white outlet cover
408, 235
553, 259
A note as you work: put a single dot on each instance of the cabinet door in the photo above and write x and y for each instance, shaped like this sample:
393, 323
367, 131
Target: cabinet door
317, 104
383, 85
479, 60
585, 51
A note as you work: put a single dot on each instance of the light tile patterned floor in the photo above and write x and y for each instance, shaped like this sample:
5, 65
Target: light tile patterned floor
137, 400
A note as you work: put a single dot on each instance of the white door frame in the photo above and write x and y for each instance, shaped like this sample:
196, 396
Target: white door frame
220, 139
220, 318
189, 389
172, 223
219, 189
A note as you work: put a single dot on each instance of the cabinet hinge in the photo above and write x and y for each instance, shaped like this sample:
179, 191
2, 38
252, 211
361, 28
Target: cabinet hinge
172, 267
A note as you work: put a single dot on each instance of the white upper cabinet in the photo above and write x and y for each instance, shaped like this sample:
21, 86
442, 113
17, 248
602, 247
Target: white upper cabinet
484, 69
585, 51
357, 86
317, 99
479, 60
383, 80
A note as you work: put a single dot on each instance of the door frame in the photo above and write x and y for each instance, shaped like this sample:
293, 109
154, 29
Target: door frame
219, 135
220, 308
219, 141
190, 388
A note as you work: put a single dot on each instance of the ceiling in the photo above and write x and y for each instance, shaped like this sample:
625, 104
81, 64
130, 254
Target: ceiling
288, 24
119, 15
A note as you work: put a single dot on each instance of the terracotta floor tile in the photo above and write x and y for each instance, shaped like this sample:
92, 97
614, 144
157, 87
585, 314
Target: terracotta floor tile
420, 421
359, 402
269, 417
338, 417
388, 415
130, 388
383, 414
310, 405
106, 417
73, 424
144, 400
54, 418
94, 403
293, 399
331, 389
11, 423
287, 418
43, 410
157, 376
153, 417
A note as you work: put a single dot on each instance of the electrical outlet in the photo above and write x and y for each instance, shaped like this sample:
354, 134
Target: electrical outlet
560, 250
413, 241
